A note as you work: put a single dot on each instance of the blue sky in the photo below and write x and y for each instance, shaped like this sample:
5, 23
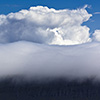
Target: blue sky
7, 6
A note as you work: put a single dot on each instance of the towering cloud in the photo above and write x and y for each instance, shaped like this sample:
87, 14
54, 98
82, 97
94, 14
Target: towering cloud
43, 25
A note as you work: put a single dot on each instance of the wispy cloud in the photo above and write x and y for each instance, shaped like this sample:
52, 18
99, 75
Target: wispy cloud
88, 6
97, 13
10, 5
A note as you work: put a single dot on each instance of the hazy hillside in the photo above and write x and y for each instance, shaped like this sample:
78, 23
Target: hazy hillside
59, 89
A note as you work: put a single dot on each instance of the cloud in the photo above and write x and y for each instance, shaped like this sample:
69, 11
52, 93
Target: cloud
33, 60
96, 35
9, 5
46, 26
24, 44
88, 6
97, 13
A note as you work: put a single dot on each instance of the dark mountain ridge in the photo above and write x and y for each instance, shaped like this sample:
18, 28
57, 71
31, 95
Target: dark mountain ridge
57, 89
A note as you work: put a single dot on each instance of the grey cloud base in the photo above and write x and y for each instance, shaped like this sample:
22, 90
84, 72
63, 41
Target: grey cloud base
37, 60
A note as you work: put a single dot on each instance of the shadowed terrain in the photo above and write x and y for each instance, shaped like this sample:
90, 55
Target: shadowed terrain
58, 89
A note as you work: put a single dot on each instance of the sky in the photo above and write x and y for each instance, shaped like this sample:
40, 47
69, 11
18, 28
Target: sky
58, 38
8, 6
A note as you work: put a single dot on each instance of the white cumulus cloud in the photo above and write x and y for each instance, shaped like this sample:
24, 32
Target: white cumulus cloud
96, 35
43, 25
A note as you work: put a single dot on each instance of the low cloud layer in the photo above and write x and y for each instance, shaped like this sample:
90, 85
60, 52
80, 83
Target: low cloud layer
38, 60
